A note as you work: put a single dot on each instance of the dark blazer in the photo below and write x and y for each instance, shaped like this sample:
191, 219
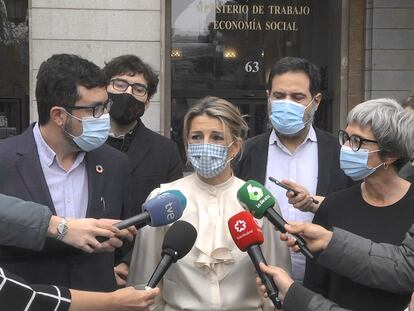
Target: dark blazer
331, 178
154, 159
21, 176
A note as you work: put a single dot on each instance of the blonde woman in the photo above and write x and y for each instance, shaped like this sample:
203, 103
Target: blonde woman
215, 275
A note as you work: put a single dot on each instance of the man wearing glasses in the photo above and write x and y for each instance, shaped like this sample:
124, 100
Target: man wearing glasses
294, 152
154, 159
62, 162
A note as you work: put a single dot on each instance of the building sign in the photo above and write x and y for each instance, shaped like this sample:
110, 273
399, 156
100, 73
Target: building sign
275, 17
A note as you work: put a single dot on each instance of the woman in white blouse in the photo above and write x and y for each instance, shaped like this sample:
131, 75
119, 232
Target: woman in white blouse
215, 275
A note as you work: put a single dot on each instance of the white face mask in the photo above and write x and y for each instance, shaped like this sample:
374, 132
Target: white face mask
95, 132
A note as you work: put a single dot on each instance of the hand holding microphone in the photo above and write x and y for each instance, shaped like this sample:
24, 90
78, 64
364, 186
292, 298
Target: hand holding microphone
178, 241
248, 237
259, 201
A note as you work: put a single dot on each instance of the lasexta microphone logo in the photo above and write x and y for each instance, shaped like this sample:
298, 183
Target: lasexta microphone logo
255, 193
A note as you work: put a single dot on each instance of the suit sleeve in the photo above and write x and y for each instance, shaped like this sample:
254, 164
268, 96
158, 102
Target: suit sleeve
380, 265
123, 254
301, 298
316, 276
23, 224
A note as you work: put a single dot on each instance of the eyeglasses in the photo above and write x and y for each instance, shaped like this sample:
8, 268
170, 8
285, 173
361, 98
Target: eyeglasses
355, 141
98, 109
121, 85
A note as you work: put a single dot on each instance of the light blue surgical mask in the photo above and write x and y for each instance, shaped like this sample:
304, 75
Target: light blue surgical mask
355, 163
287, 116
95, 132
208, 160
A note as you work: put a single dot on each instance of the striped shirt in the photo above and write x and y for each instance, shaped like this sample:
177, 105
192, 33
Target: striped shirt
16, 295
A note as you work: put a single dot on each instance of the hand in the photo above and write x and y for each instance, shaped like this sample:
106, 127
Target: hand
317, 237
127, 233
125, 299
303, 201
411, 306
282, 279
129, 298
115, 242
121, 274
82, 233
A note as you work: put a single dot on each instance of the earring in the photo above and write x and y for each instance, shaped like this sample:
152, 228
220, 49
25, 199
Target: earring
386, 165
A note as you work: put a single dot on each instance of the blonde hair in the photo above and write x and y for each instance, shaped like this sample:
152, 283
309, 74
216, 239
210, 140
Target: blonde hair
218, 108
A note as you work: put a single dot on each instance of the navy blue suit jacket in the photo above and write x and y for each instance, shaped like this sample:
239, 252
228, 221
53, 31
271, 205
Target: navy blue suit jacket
21, 176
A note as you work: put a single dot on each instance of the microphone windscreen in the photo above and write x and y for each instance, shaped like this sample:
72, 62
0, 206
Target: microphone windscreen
164, 209
256, 198
245, 231
180, 195
179, 239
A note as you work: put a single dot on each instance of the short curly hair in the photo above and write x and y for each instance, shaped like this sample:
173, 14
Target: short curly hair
132, 65
58, 80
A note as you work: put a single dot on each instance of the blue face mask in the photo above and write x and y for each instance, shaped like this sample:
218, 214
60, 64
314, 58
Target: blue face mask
95, 132
287, 116
208, 160
355, 163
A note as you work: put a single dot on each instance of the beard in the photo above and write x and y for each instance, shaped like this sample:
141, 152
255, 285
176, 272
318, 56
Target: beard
68, 136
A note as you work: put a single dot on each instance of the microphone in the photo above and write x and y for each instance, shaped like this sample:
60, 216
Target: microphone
259, 201
162, 210
178, 241
248, 236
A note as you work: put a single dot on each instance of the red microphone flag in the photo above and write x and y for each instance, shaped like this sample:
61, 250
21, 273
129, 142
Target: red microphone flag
245, 231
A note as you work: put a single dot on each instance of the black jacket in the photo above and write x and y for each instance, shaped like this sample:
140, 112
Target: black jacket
153, 160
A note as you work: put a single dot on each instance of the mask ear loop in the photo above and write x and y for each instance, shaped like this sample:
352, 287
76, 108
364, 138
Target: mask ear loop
228, 146
310, 119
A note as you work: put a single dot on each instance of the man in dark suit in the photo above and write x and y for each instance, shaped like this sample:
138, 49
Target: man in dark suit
154, 159
304, 157
62, 162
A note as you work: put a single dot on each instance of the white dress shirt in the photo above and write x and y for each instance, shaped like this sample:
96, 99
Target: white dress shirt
68, 189
300, 167
215, 274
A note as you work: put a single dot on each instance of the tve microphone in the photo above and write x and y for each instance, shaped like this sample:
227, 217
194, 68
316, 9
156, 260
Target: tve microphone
259, 201
178, 241
162, 210
248, 236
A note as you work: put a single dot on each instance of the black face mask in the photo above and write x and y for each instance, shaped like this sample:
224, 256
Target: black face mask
125, 108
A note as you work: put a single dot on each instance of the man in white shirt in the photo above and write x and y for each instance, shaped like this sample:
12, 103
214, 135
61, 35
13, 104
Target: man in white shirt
294, 150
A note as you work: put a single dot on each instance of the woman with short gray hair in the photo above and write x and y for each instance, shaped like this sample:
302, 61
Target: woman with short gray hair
378, 140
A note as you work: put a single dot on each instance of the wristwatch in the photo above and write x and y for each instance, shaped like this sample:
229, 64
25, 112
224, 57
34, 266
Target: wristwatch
62, 229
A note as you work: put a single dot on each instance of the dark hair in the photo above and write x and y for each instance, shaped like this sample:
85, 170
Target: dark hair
132, 65
58, 80
408, 102
294, 64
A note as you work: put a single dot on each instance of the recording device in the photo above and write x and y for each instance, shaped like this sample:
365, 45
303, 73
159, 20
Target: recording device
259, 201
248, 237
178, 241
286, 187
162, 210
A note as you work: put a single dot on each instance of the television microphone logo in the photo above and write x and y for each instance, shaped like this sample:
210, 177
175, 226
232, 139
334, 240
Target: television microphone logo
240, 226
255, 193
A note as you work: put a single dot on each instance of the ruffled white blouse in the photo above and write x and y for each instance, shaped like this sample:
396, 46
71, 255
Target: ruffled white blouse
215, 274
